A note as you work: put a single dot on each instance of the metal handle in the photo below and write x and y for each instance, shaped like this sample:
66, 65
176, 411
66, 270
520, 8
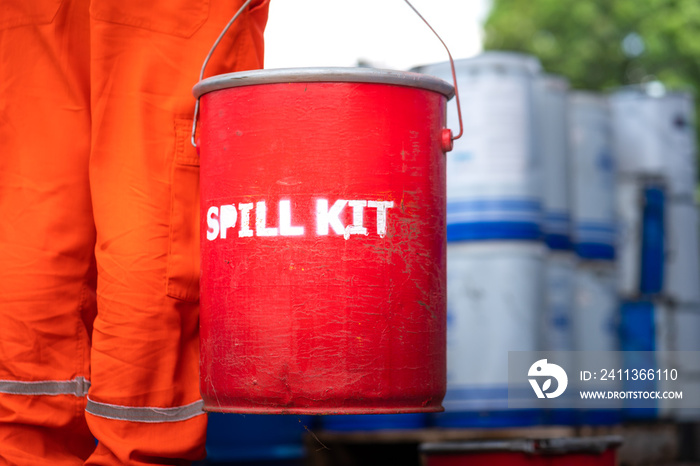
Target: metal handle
206, 61
448, 138
454, 73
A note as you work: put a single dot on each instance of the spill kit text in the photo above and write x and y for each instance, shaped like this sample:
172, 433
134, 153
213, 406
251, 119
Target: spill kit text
224, 220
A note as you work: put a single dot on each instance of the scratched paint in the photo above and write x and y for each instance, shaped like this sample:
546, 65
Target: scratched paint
323, 248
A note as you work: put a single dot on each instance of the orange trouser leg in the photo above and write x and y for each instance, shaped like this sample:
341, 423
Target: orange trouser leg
47, 297
144, 404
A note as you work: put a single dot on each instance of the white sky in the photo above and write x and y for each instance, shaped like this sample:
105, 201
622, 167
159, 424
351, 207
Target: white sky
385, 33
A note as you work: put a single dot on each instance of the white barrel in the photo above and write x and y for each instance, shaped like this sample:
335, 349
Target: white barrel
629, 206
596, 312
552, 143
596, 326
655, 135
683, 338
682, 269
592, 174
494, 300
560, 277
666, 336
493, 172
662, 326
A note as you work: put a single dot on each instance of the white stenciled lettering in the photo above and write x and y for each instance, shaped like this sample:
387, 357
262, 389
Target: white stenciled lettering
326, 218
245, 230
357, 219
381, 207
222, 219
261, 221
212, 223
228, 218
286, 228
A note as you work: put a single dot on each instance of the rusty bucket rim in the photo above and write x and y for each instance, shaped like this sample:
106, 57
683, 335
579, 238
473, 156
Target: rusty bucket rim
323, 74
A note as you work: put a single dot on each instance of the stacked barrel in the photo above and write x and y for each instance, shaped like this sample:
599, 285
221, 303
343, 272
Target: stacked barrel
531, 229
561, 205
552, 136
495, 253
592, 176
659, 271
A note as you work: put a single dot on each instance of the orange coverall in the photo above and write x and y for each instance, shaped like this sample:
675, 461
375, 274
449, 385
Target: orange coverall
99, 210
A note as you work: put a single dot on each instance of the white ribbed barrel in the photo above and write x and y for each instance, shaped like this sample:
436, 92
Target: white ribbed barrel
596, 302
664, 335
655, 135
493, 172
629, 206
592, 174
596, 329
494, 302
682, 268
560, 280
552, 143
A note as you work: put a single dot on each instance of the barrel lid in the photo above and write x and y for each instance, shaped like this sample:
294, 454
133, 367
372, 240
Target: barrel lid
517, 445
307, 75
554, 81
649, 91
509, 62
588, 99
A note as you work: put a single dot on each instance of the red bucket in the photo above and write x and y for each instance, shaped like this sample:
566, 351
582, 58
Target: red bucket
323, 241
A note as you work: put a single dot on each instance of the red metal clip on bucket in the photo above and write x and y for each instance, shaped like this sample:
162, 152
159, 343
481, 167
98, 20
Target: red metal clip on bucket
323, 241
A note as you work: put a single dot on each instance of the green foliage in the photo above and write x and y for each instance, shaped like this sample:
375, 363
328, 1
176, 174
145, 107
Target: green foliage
583, 39
603, 44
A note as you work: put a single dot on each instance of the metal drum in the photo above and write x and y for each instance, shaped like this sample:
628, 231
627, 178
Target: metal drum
661, 334
654, 134
682, 270
495, 297
552, 142
494, 173
560, 278
596, 324
556, 328
592, 175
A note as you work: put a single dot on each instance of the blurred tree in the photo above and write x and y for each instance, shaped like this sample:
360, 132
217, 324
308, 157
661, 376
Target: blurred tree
599, 44
602, 44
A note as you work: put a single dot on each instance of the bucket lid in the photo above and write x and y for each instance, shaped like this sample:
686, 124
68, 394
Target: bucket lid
594, 445
478, 446
307, 75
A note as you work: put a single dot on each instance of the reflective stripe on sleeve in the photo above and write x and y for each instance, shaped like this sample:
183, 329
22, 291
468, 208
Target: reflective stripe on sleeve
78, 387
147, 414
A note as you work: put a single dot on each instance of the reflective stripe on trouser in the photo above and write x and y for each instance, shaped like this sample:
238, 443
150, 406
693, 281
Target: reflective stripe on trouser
145, 414
77, 387
98, 196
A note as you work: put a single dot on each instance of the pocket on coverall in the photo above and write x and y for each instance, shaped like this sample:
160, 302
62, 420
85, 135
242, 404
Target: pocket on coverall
176, 17
25, 12
183, 254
